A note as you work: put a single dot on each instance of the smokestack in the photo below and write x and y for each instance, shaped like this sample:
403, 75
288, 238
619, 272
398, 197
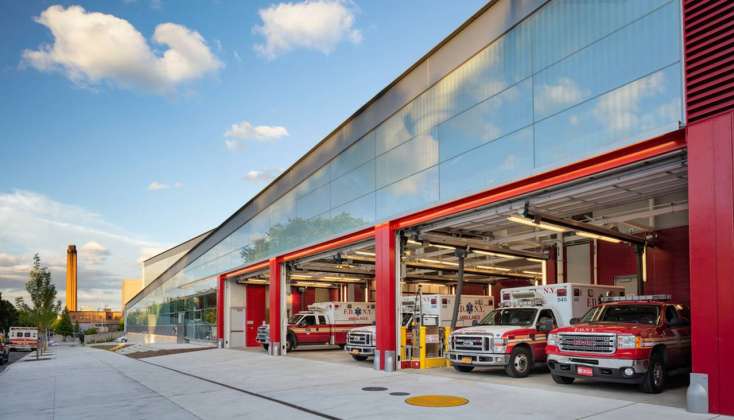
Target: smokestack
71, 278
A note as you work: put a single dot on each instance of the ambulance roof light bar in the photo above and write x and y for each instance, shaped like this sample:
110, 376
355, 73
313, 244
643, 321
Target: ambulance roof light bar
633, 298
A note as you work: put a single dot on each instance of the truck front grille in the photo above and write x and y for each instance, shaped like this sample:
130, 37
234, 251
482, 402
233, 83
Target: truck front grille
470, 343
588, 343
359, 338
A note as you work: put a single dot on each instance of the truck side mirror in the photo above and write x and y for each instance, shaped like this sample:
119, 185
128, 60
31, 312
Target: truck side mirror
574, 321
545, 324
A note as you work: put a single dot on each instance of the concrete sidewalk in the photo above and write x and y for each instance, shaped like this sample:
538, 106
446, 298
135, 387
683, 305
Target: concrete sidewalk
89, 383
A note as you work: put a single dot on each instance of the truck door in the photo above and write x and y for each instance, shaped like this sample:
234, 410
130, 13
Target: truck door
678, 332
309, 326
324, 330
540, 339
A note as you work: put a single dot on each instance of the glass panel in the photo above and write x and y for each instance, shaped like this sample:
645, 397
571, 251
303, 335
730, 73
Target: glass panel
357, 154
353, 215
313, 203
565, 26
411, 193
400, 127
406, 159
493, 118
316, 180
354, 184
492, 164
637, 111
650, 43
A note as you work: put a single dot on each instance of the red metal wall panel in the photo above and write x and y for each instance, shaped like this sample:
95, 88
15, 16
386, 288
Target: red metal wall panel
220, 307
385, 282
274, 292
711, 218
709, 49
255, 298
614, 260
551, 268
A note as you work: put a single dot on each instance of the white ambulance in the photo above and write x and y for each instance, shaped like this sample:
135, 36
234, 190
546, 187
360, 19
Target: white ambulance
514, 335
23, 338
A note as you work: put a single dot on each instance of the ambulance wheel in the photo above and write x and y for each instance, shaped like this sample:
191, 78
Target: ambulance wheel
359, 358
290, 343
521, 363
463, 368
654, 380
563, 380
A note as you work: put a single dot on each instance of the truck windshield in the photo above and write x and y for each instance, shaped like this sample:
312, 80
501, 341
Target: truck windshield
295, 319
627, 314
510, 316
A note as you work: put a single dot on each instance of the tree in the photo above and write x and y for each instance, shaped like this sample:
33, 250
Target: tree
44, 307
8, 316
64, 327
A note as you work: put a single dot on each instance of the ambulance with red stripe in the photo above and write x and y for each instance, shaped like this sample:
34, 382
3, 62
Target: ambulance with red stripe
632, 339
23, 338
513, 336
323, 323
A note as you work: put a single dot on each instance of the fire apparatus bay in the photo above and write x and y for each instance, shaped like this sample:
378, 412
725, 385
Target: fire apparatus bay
514, 335
439, 308
632, 339
322, 323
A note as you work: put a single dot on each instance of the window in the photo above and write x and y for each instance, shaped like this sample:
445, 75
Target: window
514, 316
27, 334
308, 321
670, 314
322, 319
546, 314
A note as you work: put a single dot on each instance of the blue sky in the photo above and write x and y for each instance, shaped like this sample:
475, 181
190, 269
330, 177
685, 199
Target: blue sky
125, 134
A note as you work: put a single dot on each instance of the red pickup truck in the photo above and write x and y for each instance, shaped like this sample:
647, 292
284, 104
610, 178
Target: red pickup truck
632, 339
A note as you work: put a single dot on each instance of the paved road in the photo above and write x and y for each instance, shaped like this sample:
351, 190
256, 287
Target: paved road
14, 356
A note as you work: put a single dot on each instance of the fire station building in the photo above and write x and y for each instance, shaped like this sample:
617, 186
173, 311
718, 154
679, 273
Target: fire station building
549, 141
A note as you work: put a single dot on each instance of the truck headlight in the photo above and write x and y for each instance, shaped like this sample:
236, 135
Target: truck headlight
552, 340
499, 344
628, 341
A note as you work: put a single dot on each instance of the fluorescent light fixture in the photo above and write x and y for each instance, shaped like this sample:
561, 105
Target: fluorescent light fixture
426, 260
442, 246
535, 273
487, 267
412, 242
493, 254
599, 237
256, 281
311, 284
535, 260
339, 278
528, 222
301, 276
365, 253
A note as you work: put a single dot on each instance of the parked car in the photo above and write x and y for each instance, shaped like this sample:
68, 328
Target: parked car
632, 339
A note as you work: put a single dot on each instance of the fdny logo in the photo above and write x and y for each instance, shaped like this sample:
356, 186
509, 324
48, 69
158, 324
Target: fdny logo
358, 311
469, 307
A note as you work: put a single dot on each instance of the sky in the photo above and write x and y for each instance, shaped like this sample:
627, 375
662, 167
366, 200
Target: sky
130, 126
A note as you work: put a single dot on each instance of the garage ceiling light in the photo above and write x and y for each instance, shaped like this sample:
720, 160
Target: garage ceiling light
442, 246
493, 254
599, 237
301, 276
528, 222
414, 242
426, 260
535, 260
487, 267
365, 253
535, 273
340, 278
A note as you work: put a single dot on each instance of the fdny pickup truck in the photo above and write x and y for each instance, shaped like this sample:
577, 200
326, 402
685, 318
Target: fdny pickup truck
632, 339
322, 323
472, 308
514, 335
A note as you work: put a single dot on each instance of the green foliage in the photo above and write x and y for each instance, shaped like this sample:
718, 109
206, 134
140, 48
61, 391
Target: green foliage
121, 327
64, 326
90, 331
8, 316
44, 307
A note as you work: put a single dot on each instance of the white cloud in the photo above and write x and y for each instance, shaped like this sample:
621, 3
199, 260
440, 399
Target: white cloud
312, 24
266, 175
246, 131
553, 97
34, 223
620, 110
157, 185
91, 48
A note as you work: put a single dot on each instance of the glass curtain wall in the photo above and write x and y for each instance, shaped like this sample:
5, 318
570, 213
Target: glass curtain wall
575, 79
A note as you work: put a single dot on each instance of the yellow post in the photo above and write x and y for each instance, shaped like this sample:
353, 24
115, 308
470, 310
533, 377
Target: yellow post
403, 342
446, 338
422, 348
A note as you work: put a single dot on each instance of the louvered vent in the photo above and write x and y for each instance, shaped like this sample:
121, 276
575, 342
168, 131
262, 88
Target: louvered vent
709, 48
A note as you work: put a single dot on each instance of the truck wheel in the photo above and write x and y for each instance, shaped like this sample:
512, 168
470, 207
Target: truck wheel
521, 363
359, 358
654, 380
563, 380
462, 368
290, 343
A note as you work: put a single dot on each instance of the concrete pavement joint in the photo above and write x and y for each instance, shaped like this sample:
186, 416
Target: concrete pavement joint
251, 393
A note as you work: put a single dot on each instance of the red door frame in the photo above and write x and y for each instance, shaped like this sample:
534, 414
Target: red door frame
385, 284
